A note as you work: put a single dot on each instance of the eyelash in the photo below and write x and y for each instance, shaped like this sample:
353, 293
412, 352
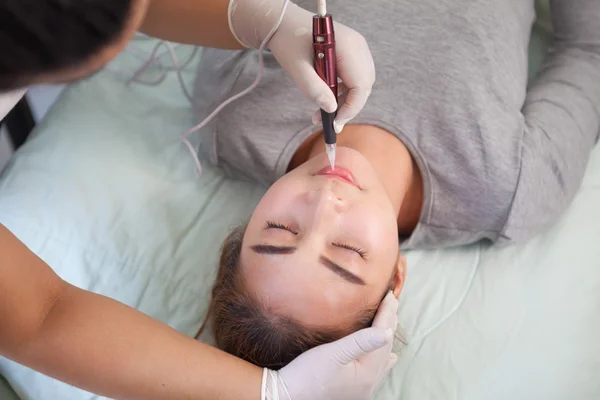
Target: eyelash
276, 225
358, 250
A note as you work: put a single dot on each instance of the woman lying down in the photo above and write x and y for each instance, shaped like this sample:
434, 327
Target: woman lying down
452, 148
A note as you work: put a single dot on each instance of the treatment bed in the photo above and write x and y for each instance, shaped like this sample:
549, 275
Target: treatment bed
107, 195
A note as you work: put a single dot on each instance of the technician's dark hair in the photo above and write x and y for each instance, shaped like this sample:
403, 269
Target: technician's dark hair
249, 329
45, 36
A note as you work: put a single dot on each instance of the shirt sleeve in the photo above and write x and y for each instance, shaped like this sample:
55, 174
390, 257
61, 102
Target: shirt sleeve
561, 120
564, 101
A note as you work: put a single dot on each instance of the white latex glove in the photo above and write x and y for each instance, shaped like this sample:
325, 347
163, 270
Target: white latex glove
348, 369
252, 20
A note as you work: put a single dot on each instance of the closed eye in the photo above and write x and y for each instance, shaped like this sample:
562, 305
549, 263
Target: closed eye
276, 225
358, 250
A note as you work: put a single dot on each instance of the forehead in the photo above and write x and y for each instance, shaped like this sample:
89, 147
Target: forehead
302, 289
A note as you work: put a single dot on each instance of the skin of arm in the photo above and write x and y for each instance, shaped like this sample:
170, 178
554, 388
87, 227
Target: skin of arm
103, 346
196, 22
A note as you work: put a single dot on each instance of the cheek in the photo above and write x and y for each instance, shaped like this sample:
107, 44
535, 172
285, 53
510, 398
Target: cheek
272, 207
376, 227
278, 200
272, 204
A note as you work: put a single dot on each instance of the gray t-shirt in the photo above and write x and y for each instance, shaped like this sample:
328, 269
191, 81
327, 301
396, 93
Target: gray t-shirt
498, 162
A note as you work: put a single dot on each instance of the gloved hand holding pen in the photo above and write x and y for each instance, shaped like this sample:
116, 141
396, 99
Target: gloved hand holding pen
252, 20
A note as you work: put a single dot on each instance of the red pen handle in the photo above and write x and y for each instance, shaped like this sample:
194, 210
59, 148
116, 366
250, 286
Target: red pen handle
326, 65
324, 47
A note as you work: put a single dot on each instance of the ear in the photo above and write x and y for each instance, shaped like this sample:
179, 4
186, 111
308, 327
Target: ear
399, 276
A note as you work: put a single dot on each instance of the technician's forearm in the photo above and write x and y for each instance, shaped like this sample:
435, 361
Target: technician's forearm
105, 347
197, 22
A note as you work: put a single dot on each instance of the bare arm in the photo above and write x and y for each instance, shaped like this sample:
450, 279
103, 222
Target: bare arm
197, 22
103, 346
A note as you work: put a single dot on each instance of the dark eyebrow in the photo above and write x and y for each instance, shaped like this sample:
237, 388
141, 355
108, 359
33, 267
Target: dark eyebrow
342, 272
266, 249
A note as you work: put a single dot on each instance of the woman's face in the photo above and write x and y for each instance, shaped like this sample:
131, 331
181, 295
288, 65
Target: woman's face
321, 247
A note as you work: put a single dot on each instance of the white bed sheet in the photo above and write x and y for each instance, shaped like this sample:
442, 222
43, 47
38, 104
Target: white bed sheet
107, 195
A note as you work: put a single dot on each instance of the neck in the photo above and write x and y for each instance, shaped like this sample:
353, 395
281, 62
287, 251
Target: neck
392, 162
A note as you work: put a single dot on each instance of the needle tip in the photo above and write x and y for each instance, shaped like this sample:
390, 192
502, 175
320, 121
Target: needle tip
330, 150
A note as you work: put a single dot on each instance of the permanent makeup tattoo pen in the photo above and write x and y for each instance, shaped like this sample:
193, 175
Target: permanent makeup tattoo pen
326, 67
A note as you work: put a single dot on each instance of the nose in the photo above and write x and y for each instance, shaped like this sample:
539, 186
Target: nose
324, 206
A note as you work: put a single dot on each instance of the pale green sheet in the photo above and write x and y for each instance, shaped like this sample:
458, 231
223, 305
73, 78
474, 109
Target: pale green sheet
6, 393
107, 195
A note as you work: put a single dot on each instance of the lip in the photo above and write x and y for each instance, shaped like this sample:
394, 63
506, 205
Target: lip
340, 173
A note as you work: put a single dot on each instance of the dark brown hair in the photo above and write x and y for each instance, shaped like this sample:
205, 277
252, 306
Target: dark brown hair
40, 37
248, 329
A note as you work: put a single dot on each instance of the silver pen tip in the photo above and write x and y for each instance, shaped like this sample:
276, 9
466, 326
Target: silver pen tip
330, 150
